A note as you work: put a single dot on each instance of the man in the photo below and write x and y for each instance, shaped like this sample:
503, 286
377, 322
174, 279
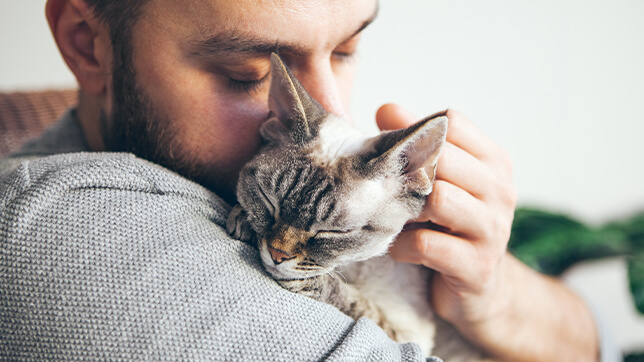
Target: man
109, 256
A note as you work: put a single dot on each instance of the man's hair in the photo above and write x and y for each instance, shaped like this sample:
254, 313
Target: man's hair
134, 126
120, 16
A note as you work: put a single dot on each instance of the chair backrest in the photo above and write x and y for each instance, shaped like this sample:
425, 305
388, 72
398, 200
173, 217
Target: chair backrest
23, 115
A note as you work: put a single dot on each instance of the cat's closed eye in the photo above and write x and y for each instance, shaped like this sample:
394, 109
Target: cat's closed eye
266, 200
342, 232
332, 233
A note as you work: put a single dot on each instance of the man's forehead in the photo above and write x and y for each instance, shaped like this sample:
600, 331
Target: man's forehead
252, 24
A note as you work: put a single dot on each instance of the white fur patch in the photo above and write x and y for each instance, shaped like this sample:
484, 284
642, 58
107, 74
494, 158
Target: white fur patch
368, 193
337, 138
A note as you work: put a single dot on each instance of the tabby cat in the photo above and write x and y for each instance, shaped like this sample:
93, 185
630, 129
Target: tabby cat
320, 198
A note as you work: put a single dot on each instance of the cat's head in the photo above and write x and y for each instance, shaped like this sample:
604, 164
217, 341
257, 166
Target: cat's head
319, 195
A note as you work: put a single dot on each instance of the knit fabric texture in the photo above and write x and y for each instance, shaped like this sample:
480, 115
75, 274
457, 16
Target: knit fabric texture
107, 256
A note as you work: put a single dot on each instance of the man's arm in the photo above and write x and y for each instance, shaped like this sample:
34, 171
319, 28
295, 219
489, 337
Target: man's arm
528, 317
499, 304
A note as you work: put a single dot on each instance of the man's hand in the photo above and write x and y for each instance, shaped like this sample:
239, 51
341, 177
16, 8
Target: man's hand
496, 302
473, 203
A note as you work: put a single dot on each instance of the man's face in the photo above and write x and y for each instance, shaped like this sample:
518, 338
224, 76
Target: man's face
201, 73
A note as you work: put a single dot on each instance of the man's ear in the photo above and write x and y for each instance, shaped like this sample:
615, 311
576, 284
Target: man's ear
83, 41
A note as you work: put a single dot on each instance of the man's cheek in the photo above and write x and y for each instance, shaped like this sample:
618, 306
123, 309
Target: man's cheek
229, 133
244, 122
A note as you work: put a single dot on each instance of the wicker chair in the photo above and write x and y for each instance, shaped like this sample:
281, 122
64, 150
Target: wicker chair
23, 115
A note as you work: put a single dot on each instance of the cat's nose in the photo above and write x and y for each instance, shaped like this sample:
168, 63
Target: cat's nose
278, 256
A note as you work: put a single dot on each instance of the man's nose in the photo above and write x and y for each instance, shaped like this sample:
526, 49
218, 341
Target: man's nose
319, 81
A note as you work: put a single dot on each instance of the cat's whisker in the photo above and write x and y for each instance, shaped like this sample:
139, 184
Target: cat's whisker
331, 275
308, 267
345, 279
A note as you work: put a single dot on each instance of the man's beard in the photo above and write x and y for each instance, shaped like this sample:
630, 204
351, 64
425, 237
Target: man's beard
136, 127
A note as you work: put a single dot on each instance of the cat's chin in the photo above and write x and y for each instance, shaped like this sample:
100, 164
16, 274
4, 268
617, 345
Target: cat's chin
276, 273
287, 275
283, 272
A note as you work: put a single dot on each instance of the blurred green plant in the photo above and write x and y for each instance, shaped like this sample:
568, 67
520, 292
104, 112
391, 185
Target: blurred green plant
551, 242
635, 357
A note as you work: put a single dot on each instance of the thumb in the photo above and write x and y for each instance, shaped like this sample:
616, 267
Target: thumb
392, 116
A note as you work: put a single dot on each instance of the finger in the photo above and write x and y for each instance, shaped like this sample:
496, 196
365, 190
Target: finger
461, 131
458, 211
441, 252
392, 116
466, 135
465, 171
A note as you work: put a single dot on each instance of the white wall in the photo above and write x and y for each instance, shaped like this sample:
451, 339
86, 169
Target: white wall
560, 84
29, 58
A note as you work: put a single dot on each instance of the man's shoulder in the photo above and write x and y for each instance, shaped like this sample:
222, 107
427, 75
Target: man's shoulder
85, 173
94, 169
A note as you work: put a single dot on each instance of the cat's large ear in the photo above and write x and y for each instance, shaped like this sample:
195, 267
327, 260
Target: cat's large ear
413, 151
293, 110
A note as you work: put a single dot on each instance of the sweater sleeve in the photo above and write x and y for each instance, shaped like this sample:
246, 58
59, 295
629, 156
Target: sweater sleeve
106, 256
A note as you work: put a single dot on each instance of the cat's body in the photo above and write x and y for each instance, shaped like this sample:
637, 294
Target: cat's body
400, 292
320, 198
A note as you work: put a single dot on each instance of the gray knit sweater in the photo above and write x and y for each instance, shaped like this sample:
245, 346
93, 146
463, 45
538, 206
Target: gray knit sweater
107, 256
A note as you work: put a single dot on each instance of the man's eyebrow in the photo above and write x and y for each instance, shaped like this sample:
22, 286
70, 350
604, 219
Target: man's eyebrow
230, 43
237, 44
367, 22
